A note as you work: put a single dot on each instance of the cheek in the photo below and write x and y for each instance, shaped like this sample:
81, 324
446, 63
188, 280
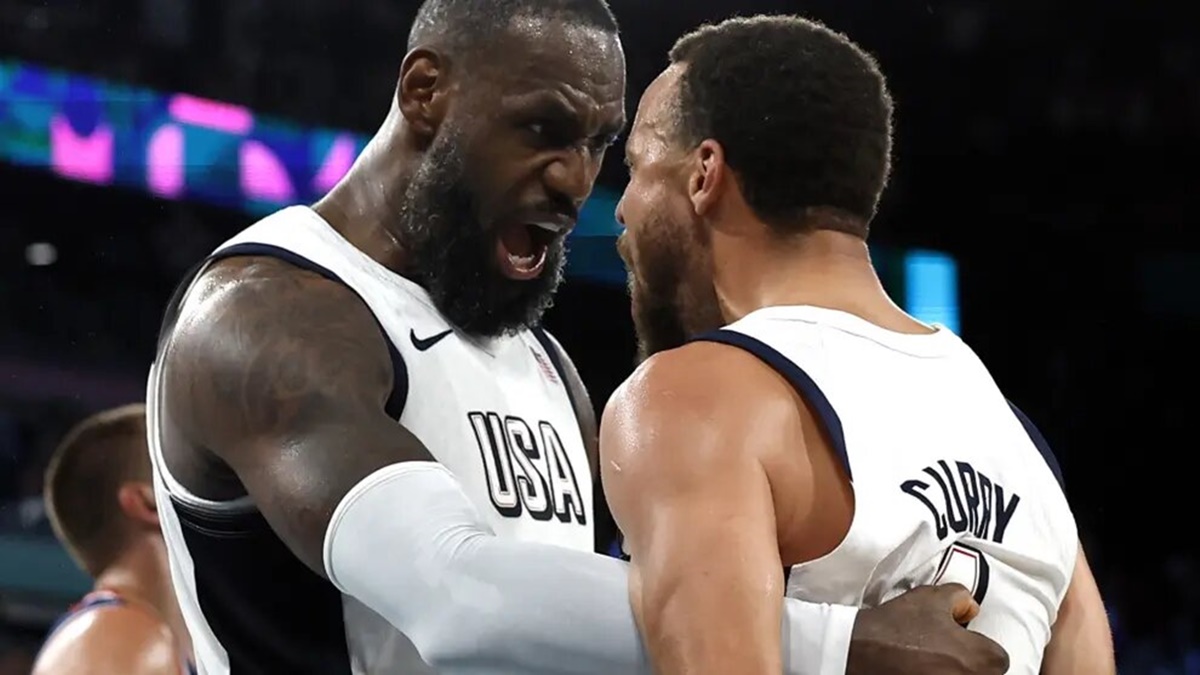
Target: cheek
653, 202
635, 203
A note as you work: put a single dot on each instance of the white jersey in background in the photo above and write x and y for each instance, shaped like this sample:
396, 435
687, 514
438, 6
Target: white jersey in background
951, 482
496, 413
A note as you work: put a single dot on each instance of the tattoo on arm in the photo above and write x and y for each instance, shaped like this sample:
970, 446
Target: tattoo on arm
284, 376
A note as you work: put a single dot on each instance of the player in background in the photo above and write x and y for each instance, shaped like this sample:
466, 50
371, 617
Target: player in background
101, 504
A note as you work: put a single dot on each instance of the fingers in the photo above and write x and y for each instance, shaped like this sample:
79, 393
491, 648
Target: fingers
959, 601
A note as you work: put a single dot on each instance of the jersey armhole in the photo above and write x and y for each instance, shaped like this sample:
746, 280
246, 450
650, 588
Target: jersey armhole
1040, 442
238, 517
800, 381
399, 395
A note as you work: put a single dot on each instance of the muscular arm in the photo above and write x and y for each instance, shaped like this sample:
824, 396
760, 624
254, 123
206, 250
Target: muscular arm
681, 443
123, 640
284, 376
1081, 641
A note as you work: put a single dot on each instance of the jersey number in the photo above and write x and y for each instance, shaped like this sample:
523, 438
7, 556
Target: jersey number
962, 564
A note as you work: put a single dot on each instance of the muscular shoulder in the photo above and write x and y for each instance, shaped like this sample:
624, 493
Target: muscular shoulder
685, 406
111, 640
257, 341
702, 382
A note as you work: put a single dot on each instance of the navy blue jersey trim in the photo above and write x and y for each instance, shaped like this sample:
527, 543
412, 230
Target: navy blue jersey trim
1040, 441
399, 396
547, 344
83, 607
795, 375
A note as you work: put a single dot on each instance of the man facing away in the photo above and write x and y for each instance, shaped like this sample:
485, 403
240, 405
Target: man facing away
101, 503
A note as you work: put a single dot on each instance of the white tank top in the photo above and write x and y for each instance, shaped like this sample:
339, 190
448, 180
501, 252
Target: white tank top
951, 482
496, 412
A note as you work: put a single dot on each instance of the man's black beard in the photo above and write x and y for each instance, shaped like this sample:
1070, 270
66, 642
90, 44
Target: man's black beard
453, 255
657, 322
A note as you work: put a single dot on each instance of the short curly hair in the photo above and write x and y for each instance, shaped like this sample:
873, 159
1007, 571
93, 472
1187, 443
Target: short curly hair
803, 114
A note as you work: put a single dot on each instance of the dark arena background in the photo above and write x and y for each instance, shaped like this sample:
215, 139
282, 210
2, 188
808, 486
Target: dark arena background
1043, 205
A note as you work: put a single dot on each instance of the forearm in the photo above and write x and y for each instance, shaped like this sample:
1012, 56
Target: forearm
708, 600
815, 641
409, 544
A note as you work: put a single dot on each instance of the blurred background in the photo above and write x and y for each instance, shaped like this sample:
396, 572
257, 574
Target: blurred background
1043, 206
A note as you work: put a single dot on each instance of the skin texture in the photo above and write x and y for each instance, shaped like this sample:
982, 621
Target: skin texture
1082, 640
127, 639
701, 467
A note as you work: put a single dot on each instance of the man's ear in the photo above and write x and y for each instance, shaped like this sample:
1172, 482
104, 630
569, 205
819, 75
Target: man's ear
709, 177
421, 91
138, 503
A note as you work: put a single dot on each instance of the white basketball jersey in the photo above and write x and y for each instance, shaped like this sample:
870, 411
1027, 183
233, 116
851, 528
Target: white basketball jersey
496, 412
951, 483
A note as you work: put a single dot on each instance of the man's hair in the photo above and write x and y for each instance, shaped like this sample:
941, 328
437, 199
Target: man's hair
803, 115
473, 23
83, 478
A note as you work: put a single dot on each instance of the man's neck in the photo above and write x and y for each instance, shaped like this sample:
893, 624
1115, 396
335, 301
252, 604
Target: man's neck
823, 268
366, 204
141, 574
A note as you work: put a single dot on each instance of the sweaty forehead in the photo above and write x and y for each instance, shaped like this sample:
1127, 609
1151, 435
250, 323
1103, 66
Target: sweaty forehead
578, 61
654, 125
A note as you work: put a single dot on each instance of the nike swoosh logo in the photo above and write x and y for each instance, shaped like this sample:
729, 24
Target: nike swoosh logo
423, 344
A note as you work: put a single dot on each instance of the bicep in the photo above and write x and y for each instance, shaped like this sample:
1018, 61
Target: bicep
689, 493
687, 487
675, 506
284, 376
681, 462
1081, 640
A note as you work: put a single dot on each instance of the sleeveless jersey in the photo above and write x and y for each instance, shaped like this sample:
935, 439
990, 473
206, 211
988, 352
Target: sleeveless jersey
100, 599
951, 482
497, 413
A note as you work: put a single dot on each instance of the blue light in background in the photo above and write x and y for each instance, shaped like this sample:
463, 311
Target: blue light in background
931, 287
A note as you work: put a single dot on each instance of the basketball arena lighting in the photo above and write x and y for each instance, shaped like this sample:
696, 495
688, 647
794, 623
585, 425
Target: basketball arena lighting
179, 146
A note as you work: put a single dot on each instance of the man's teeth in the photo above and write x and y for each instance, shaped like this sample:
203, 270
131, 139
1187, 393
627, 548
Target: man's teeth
549, 227
523, 262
